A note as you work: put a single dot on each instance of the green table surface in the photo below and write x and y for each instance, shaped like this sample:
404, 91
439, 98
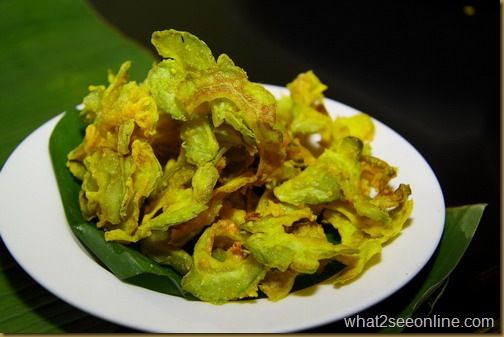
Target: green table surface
51, 52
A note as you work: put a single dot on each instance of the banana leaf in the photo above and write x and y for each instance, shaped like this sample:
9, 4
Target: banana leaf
460, 225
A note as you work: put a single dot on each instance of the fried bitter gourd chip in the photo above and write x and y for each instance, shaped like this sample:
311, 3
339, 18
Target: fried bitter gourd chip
115, 161
198, 153
223, 270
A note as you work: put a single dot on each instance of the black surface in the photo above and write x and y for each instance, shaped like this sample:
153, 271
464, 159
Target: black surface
430, 71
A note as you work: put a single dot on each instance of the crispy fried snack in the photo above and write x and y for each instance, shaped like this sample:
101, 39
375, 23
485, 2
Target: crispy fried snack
214, 176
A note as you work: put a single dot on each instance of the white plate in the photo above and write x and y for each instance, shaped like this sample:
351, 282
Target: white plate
34, 229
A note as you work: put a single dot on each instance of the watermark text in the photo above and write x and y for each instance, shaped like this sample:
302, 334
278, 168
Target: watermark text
435, 321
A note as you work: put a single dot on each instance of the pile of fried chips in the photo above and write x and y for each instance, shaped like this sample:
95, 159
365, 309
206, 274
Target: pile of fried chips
211, 174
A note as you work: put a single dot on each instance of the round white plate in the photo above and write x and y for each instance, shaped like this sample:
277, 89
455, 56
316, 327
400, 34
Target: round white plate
34, 229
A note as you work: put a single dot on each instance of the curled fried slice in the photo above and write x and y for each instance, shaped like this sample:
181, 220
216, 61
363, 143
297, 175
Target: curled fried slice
160, 248
114, 187
359, 126
222, 269
183, 54
183, 47
278, 284
308, 112
104, 187
365, 234
200, 143
287, 237
275, 248
318, 183
118, 114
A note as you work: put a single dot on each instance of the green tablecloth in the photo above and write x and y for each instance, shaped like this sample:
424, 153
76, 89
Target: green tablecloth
52, 50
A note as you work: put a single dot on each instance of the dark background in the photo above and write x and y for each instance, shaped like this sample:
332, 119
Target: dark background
429, 70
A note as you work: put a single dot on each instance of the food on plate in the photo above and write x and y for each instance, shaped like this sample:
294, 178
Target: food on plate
209, 173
